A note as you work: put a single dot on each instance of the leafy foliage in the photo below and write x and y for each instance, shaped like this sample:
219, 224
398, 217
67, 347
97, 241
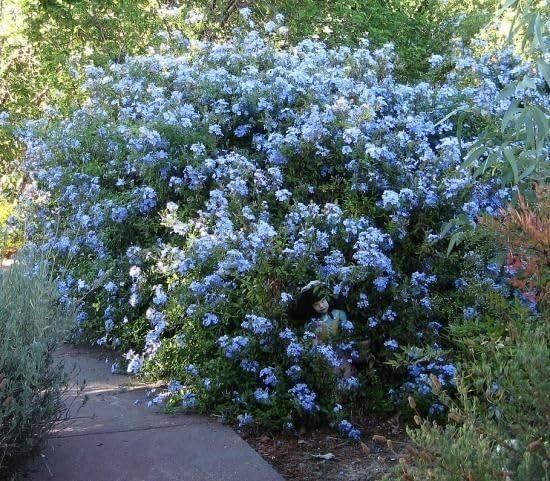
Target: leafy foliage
11, 238
44, 45
525, 234
31, 382
417, 28
514, 149
498, 425
203, 192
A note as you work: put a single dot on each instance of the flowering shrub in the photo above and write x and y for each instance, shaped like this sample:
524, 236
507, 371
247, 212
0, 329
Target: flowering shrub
201, 194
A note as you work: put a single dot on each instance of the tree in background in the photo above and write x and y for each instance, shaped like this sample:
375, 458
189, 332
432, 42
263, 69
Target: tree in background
42, 44
418, 28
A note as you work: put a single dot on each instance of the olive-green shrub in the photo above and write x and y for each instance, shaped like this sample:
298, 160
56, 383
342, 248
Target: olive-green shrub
498, 425
32, 383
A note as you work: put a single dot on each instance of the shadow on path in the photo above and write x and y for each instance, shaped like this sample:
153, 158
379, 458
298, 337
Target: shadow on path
114, 436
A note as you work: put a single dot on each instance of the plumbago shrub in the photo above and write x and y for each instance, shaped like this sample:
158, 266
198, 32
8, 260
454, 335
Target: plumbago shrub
203, 195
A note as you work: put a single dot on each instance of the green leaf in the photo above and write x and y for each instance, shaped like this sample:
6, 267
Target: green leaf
541, 120
528, 170
537, 30
529, 35
530, 139
513, 164
508, 91
509, 115
491, 160
527, 83
451, 114
474, 154
456, 239
447, 227
460, 125
507, 4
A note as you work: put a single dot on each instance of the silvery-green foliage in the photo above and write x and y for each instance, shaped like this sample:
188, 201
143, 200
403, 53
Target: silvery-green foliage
517, 151
32, 324
513, 148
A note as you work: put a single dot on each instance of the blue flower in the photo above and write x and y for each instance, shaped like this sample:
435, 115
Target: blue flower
327, 352
294, 372
233, 346
346, 427
192, 369
349, 383
286, 297
390, 198
257, 324
294, 350
189, 401
160, 296
210, 319
305, 397
363, 301
245, 419
469, 313
248, 365
460, 283
283, 195
135, 362
267, 374
174, 386
261, 395
147, 199
135, 273
381, 283
119, 214
110, 287
436, 408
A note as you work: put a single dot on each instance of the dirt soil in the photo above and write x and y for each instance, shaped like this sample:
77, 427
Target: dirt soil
322, 455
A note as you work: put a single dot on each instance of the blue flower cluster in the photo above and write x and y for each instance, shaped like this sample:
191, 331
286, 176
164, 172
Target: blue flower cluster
198, 190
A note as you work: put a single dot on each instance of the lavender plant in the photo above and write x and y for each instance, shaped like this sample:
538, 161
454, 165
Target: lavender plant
206, 186
32, 383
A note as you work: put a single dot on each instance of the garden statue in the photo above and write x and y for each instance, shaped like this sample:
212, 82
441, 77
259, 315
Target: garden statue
316, 305
328, 324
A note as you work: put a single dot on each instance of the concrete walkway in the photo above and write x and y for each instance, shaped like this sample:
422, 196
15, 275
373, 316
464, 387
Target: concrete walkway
116, 437
5, 263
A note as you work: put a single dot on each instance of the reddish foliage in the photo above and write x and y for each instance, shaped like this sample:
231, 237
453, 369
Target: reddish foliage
524, 231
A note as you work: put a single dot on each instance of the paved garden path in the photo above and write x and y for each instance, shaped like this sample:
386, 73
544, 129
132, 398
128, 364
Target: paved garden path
114, 436
5, 263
